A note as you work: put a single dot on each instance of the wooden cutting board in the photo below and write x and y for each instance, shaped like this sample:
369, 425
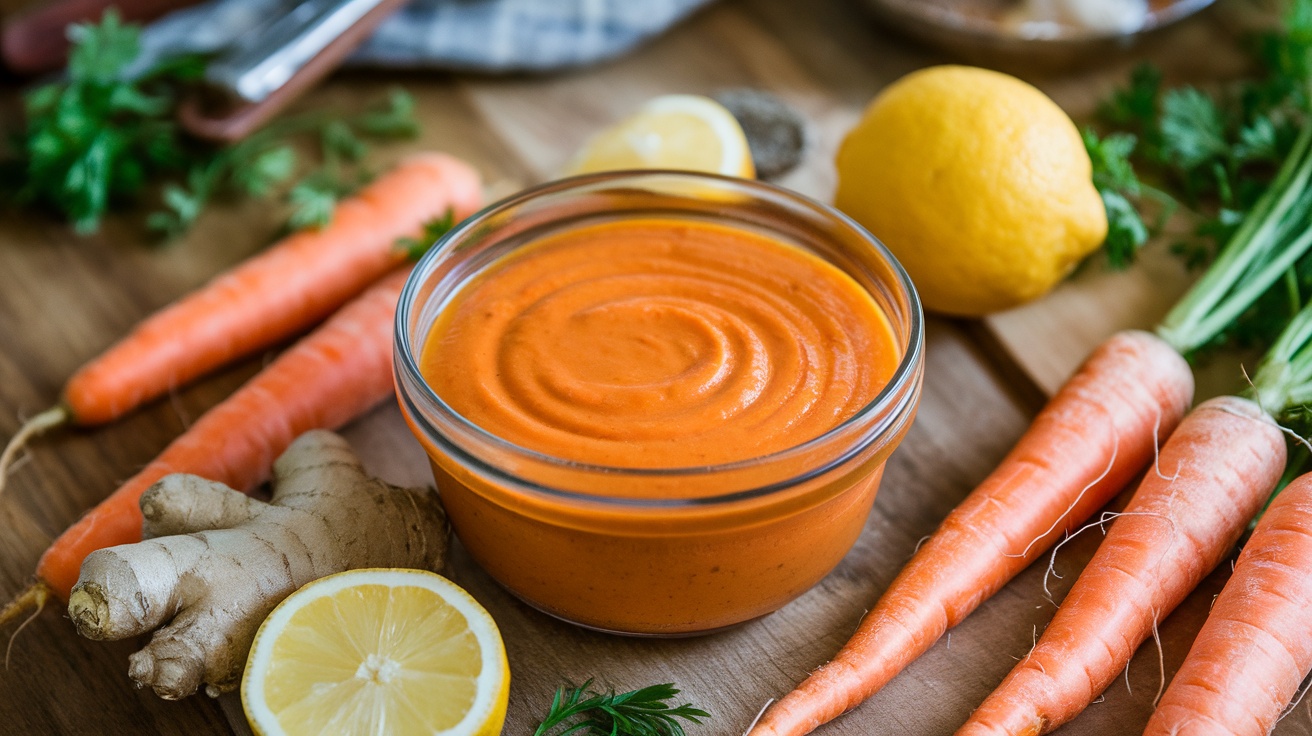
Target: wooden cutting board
63, 299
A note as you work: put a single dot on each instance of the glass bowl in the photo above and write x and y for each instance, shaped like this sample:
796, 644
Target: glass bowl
737, 540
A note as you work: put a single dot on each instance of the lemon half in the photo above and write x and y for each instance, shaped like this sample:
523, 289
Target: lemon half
685, 132
377, 651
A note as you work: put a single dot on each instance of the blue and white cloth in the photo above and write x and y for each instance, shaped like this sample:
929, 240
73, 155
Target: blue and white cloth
482, 35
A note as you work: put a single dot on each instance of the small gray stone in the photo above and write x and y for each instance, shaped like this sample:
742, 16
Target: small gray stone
776, 133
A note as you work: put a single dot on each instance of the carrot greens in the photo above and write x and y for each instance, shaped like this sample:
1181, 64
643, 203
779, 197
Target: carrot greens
1216, 151
1283, 382
1268, 242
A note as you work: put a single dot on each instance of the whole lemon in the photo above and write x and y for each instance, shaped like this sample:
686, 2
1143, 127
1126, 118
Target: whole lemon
978, 183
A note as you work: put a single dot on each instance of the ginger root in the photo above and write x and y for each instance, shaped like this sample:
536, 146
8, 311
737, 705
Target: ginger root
215, 561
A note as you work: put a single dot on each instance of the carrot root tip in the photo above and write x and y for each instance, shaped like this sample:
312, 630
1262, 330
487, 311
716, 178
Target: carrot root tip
34, 599
53, 417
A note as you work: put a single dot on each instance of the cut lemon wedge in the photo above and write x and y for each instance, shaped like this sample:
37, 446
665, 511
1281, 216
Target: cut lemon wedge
685, 132
377, 651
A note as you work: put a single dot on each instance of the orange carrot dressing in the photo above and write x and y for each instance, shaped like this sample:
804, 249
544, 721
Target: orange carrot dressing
658, 343
661, 343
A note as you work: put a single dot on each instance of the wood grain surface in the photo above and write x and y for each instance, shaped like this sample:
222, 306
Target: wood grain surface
64, 298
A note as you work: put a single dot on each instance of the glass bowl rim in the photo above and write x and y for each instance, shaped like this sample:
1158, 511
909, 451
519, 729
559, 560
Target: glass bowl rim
889, 398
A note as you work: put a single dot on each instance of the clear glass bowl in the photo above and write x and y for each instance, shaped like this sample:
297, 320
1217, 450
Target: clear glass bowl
741, 539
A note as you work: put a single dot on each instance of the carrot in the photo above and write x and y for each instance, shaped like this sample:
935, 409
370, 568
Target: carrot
329, 377
1223, 461
1094, 435
278, 293
1255, 649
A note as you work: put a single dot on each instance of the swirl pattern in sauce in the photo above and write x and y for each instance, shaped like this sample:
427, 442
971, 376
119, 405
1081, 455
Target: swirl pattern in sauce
659, 343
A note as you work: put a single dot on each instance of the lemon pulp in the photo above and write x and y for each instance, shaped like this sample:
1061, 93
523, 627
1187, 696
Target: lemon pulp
377, 651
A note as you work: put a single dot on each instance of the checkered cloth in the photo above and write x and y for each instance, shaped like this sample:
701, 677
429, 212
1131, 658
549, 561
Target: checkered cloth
483, 35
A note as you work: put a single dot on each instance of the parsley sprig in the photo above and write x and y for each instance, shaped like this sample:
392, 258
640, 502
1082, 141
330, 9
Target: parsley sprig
95, 138
645, 712
104, 135
1122, 194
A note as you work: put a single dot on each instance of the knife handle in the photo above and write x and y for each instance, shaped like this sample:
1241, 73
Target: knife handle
221, 115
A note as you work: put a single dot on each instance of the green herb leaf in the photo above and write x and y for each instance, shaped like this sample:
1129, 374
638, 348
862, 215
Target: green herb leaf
98, 138
101, 51
645, 712
340, 142
1125, 230
265, 170
1111, 160
182, 205
394, 119
312, 206
1117, 183
87, 181
1193, 131
127, 99
313, 200
95, 138
1257, 142
1135, 105
433, 231
1287, 53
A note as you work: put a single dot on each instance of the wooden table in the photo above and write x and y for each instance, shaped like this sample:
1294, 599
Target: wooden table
65, 298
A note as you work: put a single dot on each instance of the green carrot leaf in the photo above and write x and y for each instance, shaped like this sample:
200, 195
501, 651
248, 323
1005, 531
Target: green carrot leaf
100, 52
394, 119
1135, 106
266, 170
1193, 130
1117, 184
433, 231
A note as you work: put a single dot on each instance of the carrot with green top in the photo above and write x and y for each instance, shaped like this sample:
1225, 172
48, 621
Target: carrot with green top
267, 298
1098, 430
1256, 646
1213, 476
325, 380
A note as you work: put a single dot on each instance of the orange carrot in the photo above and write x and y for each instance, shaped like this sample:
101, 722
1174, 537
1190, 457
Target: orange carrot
1215, 471
1088, 442
270, 297
329, 377
1256, 647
